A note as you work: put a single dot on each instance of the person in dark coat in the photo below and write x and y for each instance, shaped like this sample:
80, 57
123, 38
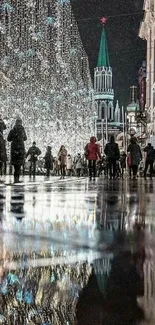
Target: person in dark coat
17, 136
2, 153
48, 161
32, 155
135, 155
2, 125
150, 157
92, 153
113, 154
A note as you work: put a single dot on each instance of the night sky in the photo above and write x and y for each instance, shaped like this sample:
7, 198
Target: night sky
126, 49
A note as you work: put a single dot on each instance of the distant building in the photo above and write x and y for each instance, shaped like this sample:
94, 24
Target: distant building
109, 118
135, 118
147, 33
131, 112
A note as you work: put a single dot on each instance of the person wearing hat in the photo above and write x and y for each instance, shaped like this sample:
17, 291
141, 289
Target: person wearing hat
17, 136
32, 155
48, 161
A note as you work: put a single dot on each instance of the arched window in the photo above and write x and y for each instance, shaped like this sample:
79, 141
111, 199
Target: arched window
110, 78
110, 111
103, 80
97, 109
103, 106
96, 81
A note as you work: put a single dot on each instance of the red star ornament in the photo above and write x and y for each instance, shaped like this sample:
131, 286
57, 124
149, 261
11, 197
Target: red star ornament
103, 20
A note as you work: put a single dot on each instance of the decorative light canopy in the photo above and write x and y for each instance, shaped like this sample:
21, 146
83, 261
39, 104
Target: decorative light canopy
49, 86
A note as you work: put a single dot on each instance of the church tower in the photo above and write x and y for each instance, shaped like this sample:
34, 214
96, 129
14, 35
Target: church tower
103, 89
117, 113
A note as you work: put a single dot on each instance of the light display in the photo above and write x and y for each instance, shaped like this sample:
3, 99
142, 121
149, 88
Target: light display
47, 73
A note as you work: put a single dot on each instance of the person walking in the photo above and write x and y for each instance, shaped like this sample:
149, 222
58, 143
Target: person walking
2, 154
113, 155
62, 157
48, 161
32, 155
92, 154
2, 125
150, 157
78, 165
123, 158
56, 167
17, 137
135, 156
69, 165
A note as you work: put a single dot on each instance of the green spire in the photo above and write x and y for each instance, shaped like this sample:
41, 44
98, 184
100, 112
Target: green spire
103, 57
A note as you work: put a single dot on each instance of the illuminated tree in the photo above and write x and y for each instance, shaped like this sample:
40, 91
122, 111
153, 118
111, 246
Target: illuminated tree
44, 59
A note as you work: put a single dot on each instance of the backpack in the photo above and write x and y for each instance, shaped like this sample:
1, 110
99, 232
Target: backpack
113, 151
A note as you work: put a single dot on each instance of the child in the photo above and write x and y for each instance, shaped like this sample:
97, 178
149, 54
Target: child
78, 165
69, 165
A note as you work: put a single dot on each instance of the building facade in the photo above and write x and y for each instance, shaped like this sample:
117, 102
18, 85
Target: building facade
142, 86
147, 33
108, 117
131, 113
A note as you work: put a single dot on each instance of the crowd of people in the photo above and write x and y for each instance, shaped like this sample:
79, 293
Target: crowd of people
91, 163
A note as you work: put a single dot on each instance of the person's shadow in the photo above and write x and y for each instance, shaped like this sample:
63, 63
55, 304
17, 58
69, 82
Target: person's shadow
89, 309
124, 285
118, 304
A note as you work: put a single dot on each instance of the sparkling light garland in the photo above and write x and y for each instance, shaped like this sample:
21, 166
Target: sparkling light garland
49, 86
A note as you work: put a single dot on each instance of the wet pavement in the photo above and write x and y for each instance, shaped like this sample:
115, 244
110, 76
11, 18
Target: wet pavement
75, 252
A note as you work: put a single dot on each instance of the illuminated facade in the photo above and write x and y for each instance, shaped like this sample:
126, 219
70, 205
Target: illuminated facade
147, 32
142, 86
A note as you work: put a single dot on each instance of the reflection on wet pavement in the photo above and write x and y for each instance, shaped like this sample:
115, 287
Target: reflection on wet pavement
77, 253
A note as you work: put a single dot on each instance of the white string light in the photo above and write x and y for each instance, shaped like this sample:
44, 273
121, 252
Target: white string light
50, 86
